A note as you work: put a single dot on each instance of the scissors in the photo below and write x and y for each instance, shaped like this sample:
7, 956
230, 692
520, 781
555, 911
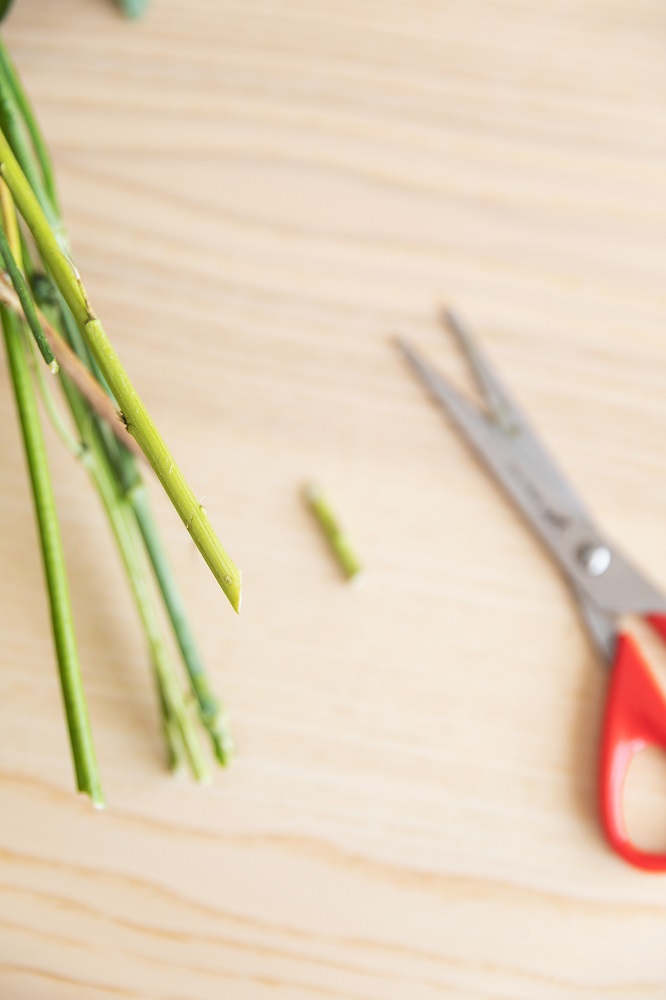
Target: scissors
604, 582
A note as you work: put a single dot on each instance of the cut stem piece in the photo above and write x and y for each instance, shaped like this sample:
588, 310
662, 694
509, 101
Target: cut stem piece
337, 537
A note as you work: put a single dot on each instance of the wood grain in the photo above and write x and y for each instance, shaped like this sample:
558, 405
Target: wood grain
259, 195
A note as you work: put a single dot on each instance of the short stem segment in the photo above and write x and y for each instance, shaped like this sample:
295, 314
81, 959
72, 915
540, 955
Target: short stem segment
337, 538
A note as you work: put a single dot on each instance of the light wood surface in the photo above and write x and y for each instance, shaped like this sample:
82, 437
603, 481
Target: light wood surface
260, 194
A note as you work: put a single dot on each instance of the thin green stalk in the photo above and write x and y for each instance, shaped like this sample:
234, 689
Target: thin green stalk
41, 150
83, 751
72, 445
179, 733
211, 710
131, 484
139, 423
14, 128
27, 304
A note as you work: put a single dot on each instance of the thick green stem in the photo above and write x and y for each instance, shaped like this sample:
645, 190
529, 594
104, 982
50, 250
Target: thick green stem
138, 420
83, 752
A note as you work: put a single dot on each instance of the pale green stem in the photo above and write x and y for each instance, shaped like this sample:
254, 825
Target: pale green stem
57, 421
139, 422
336, 536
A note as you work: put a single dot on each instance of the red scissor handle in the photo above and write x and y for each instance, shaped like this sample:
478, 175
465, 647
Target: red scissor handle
635, 718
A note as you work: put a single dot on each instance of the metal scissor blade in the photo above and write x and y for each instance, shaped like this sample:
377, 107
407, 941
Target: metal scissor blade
501, 405
465, 415
490, 437
526, 472
509, 417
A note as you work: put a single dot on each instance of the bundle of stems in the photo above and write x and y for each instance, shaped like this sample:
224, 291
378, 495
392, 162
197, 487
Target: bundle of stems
44, 310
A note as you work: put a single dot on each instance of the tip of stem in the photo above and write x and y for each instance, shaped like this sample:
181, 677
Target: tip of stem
54, 366
311, 491
224, 747
233, 588
96, 798
358, 579
133, 9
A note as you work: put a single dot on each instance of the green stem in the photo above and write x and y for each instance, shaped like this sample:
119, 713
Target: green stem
181, 739
212, 713
41, 150
27, 304
72, 445
337, 538
83, 752
14, 128
139, 422
119, 463
178, 726
211, 710
133, 8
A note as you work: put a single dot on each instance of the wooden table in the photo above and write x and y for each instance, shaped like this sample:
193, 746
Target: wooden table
259, 195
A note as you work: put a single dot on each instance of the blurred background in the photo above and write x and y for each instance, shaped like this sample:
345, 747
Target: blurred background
260, 195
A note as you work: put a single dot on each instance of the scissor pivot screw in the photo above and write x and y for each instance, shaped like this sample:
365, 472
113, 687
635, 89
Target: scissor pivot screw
594, 558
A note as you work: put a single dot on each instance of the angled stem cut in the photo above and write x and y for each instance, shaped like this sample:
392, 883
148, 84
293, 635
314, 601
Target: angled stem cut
137, 419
